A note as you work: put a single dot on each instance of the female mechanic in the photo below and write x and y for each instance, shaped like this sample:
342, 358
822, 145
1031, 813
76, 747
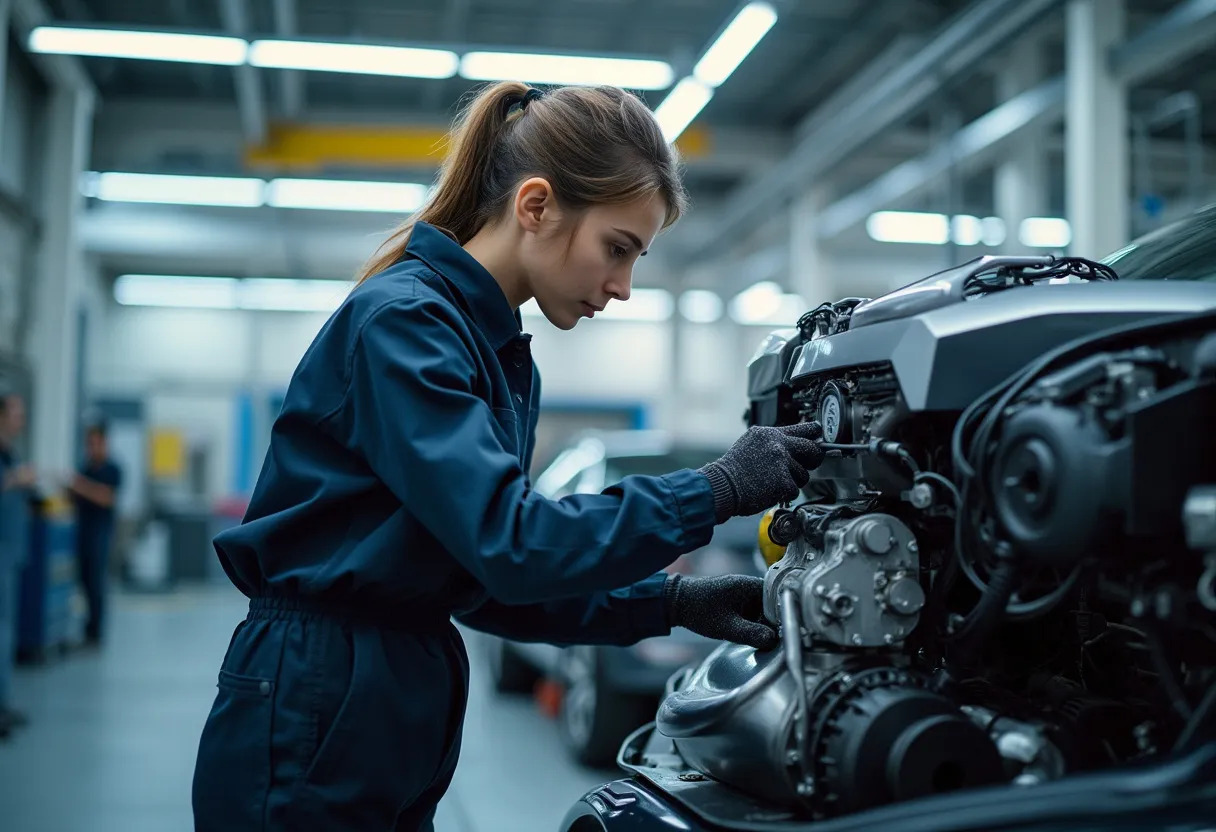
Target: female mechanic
394, 494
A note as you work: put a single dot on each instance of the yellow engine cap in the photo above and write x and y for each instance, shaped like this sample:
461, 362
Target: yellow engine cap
769, 550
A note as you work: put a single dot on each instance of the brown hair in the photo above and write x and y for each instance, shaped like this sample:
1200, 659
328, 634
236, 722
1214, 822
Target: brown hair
594, 145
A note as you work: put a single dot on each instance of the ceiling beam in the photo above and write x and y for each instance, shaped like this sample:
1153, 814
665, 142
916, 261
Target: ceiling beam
291, 81
251, 103
455, 22
65, 70
974, 144
963, 45
140, 135
1186, 30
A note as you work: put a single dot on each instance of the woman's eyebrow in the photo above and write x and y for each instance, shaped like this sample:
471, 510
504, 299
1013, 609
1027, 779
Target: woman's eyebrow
633, 238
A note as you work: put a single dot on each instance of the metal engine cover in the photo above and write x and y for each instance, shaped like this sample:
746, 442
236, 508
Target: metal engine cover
862, 590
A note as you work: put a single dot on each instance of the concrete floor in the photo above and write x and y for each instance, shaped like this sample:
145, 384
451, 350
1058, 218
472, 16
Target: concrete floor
113, 735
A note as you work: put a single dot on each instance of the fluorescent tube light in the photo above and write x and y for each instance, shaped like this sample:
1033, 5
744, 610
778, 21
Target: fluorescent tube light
766, 303
269, 294
151, 46
992, 231
643, 305
908, 227
735, 43
345, 195
701, 306
278, 294
681, 106
1045, 232
966, 230
630, 73
229, 191
177, 291
355, 58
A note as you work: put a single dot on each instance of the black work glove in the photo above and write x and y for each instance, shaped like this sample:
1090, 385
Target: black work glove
764, 467
729, 607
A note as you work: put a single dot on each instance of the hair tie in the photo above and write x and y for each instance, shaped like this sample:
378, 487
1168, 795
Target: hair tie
531, 95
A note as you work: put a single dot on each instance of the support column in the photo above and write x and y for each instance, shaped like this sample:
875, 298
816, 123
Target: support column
6, 9
808, 271
1096, 142
1020, 181
52, 338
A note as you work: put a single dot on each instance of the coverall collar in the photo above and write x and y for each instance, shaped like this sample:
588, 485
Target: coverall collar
487, 303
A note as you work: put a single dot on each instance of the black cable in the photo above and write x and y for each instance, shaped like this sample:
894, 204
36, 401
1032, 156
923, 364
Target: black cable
983, 619
1167, 678
944, 482
1202, 724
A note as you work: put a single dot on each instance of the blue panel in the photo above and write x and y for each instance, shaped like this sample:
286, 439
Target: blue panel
242, 465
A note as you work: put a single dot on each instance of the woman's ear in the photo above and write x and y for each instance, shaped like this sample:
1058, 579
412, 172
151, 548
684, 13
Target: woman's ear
534, 203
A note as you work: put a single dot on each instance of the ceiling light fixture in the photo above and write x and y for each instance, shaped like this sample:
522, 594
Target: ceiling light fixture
701, 306
630, 73
149, 46
765, 303
735, 43
176, 291
1045, 232
355, 58
908, 227
224, 191
966, 230
681, 106
263, 294
346, 195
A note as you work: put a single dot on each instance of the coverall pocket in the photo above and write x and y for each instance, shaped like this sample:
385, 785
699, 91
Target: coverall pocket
330, 747
507, 423
232, 778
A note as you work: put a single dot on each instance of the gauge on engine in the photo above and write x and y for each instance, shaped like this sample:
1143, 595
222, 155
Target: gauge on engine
833, 413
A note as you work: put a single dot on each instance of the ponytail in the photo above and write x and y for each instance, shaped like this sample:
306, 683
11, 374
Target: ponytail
453, 205
595, 145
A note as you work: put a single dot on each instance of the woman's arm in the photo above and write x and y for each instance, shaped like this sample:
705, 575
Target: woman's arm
99, 493
410, 410
620, 617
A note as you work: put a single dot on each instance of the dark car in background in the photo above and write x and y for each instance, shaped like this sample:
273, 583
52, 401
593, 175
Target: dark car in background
609, 691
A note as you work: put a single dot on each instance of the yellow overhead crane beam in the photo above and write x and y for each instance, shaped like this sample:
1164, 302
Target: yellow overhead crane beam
314, 147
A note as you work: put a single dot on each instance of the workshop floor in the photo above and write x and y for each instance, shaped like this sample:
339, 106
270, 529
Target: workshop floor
113, 734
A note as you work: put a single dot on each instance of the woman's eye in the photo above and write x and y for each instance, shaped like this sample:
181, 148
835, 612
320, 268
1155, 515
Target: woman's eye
617, 250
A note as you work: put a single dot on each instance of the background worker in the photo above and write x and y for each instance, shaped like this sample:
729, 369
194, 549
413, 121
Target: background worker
17, 481
94, 489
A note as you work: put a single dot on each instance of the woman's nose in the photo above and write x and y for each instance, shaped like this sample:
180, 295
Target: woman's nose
619, 288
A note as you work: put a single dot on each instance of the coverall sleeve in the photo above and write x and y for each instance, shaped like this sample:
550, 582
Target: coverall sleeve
410, 409
620, 617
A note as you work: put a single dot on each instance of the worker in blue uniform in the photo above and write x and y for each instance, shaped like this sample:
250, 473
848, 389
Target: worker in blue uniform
394, 495
94, 489
17, 480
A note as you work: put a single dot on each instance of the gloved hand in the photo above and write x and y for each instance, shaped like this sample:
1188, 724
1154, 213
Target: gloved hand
729, 607
764, 467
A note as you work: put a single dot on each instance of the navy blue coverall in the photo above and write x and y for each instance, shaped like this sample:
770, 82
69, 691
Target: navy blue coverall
394, 496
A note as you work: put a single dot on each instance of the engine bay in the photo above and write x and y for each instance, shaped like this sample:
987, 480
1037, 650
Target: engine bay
1010, 592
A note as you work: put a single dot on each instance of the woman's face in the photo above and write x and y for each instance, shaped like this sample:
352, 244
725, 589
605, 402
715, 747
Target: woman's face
577, 264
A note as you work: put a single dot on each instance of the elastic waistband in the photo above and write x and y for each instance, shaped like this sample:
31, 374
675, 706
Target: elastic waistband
414, 619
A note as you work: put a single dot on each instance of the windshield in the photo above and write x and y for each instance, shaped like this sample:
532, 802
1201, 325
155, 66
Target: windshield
1184, 250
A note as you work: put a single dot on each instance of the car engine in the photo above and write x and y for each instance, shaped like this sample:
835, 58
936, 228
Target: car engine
1004, 572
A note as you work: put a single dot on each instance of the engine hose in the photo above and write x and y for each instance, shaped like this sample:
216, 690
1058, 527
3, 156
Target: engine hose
988, 613
791, 637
